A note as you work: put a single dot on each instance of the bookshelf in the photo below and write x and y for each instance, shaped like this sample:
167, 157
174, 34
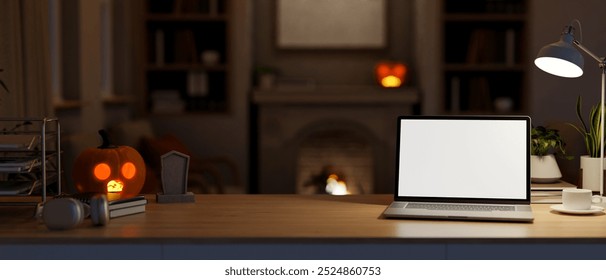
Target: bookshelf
187, 59
483, 61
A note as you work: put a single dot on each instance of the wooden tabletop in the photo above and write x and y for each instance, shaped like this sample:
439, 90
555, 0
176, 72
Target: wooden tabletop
246, 218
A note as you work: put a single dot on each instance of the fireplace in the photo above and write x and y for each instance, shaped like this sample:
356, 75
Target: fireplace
307, 137
335, 158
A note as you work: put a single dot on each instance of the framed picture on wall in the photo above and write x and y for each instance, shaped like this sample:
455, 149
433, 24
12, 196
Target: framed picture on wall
331, 24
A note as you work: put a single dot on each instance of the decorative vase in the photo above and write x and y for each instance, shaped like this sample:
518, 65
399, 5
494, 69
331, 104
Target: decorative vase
544, 169
590, 173
267, 80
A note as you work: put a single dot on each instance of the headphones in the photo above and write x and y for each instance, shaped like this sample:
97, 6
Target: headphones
67, 212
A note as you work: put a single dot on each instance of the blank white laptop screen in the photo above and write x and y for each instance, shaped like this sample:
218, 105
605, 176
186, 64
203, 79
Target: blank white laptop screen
463, 158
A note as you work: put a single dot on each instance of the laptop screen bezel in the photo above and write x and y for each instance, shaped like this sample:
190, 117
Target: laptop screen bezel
526, 200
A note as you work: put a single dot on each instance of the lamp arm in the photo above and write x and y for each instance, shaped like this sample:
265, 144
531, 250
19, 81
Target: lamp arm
602, 64
603, 69
597, 58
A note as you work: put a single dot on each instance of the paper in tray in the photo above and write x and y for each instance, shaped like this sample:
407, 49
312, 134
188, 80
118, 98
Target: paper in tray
16, 164
16, 187
18, 141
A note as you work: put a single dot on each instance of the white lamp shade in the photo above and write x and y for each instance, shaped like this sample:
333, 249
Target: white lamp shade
561, 58
558, 67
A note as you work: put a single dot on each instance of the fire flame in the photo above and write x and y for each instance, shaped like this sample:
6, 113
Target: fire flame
335, 186
114, 186
391, 81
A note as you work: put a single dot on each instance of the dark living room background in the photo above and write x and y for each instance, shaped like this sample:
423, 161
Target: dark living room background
96, 64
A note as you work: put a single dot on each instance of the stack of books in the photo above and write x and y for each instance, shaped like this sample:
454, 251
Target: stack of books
118, 207
548, 193
128, 206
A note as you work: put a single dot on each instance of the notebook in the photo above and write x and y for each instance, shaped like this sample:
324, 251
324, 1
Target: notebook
463, 168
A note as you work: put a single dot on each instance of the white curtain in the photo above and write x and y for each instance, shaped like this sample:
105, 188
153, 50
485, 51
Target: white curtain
24, 56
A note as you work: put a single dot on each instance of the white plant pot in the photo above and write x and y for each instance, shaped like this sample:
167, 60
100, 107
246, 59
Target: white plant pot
591, 173
544, 169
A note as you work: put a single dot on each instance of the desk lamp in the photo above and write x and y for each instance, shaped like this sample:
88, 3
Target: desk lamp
564, 60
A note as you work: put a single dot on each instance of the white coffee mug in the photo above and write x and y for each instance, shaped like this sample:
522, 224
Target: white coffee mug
576, 199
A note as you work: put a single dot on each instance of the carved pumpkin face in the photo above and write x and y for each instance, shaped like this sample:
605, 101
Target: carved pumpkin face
118, 171
390, 74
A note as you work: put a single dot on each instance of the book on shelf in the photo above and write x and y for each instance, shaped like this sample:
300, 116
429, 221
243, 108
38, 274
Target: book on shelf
185, 46
510, 47
194, 6
166, 101
479, 94
159, 40
482, 47
488, 46
197, 83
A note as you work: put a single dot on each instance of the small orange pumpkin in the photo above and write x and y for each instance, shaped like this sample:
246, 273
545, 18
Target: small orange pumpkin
118, 171
390, 74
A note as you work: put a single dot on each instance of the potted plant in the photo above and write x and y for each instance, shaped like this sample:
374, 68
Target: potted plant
590, 163
544, 144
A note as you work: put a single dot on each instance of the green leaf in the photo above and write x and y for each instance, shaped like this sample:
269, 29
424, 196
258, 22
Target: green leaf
592, 133
579, 114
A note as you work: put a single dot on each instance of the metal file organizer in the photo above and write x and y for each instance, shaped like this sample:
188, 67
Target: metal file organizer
30, 159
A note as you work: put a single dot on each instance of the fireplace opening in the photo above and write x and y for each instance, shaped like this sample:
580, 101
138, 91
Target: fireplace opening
335, 161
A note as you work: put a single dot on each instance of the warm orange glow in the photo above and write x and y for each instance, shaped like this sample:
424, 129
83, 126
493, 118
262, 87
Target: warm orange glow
102, 171
390, 74
335, 186
129, 170
94, 168
391, 81
114, 186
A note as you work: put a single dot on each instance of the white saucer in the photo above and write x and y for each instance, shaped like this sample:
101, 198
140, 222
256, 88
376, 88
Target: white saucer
593, 210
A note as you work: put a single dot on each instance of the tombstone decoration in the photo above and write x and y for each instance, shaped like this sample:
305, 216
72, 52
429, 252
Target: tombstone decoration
175, 166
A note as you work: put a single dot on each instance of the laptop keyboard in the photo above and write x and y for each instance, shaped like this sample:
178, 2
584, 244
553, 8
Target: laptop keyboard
460, 207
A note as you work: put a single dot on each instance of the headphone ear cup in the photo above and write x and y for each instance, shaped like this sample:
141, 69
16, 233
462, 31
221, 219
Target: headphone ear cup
99, 211
63, 213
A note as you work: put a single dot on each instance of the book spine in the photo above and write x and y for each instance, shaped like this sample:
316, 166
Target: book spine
126, 211
510, 47
159, 41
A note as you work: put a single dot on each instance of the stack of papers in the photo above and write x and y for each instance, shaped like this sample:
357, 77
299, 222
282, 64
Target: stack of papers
18, 141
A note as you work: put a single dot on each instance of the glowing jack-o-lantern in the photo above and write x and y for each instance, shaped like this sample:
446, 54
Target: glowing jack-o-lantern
118, 171
390, 74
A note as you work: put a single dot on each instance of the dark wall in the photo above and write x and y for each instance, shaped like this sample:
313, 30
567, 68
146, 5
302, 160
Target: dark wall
332, 66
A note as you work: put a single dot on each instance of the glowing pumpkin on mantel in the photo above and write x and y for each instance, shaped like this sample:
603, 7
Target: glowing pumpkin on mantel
118, 171
390, 74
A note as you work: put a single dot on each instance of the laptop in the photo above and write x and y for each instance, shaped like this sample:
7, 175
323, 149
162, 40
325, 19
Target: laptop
463, 168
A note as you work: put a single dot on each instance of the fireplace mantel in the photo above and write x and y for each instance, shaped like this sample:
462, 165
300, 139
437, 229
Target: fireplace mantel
336, 94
